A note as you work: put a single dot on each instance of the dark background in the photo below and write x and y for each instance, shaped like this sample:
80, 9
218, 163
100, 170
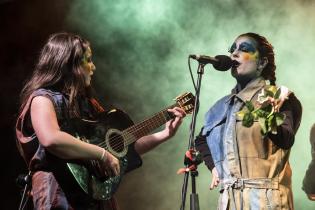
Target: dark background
141, 49
25, 25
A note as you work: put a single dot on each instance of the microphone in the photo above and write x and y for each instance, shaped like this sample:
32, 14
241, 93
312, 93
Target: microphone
219, 62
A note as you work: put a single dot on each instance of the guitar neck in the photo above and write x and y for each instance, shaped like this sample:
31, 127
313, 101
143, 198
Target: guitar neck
148, 125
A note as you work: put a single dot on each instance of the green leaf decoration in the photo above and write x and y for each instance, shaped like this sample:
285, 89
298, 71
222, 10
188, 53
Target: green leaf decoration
267, 109
269, 122
261, 113
279, 118
262, 122
278, 93
249, 106
269, 93
241, 114
271, 112
248, 120
268, 119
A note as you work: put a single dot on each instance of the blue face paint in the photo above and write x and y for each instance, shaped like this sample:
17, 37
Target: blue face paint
244, 47
247, 47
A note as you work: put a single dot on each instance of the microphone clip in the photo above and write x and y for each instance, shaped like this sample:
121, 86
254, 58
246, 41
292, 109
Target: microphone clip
192, 160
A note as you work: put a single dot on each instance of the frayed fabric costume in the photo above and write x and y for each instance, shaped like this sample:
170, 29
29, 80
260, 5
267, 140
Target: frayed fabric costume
254, 170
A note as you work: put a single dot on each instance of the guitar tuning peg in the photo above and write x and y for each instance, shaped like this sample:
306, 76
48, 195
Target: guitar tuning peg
180, 96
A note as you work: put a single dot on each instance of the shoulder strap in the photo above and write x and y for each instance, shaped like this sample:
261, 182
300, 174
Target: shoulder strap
96, 105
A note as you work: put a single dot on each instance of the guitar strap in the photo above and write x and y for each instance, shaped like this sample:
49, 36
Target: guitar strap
25, 181
96, 105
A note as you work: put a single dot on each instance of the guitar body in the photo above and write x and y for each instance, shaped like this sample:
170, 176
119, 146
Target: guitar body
106, 132
114, 131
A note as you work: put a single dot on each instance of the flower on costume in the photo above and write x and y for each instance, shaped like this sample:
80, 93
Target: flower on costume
269, 102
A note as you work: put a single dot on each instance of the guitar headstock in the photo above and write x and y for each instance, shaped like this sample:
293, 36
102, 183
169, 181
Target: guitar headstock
186, 101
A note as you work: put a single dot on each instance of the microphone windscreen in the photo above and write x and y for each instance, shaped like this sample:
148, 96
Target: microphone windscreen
224, 63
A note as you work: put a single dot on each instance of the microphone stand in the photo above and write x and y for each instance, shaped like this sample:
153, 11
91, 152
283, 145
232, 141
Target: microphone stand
195, 156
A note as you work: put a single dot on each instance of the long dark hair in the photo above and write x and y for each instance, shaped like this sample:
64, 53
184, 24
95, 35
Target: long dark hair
265, 49
59, 67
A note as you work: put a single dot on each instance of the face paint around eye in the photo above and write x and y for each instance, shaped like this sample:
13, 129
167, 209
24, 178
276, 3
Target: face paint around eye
249, 51
247, 47
233, 47
247, 55
250, 56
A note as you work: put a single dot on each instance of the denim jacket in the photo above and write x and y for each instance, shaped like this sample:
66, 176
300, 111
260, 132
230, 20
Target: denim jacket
253, 171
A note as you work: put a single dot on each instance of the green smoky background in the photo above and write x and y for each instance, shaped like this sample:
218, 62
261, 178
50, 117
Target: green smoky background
141, 49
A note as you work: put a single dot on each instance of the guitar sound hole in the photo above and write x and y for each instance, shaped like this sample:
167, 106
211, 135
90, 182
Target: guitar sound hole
116, 142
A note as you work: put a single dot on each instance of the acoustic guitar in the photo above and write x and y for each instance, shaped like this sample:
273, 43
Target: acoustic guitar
115, 131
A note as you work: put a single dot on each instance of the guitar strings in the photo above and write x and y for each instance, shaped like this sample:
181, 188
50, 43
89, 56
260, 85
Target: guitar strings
140, 126
127, 134
127, 137
133, 129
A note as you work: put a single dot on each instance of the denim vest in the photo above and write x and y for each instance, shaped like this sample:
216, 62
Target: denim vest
214, 129
246, 162
34, 153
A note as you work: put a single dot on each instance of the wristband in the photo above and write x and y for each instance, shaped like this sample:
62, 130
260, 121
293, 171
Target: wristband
103, 155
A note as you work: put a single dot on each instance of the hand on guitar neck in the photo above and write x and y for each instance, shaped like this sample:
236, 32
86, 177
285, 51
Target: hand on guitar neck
149, 142
172, 126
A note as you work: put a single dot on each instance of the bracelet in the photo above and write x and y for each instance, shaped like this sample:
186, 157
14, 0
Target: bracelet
103, 155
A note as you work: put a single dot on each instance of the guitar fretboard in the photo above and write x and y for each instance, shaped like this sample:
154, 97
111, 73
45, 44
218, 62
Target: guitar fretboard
148, 125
